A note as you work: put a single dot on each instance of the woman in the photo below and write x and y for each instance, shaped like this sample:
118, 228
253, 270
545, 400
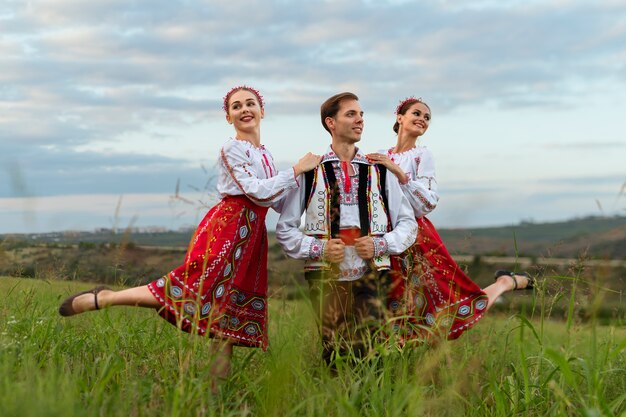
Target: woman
430, 292
221, 288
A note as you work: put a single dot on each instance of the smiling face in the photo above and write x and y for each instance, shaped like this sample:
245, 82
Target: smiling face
415, 120
244, 111
347, 125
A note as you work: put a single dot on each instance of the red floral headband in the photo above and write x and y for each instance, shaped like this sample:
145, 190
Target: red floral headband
242, 87
408, 100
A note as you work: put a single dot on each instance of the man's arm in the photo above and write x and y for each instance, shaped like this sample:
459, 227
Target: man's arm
296, 244
404, 227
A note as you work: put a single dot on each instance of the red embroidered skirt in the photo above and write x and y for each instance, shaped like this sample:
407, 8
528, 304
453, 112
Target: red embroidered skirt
430, 293
221, 288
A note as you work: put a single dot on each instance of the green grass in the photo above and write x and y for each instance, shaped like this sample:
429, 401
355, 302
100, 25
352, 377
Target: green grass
129, 362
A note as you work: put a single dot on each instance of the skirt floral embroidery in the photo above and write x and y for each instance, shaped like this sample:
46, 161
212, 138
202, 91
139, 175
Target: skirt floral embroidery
221, 288
430, 293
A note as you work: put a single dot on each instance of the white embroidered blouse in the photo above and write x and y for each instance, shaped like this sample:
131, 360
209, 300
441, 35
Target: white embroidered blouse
421, 189
247, 170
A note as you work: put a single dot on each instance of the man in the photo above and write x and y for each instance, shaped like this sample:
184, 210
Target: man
356, 216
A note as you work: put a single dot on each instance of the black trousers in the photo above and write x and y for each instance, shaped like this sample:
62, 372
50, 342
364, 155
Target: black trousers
351, 315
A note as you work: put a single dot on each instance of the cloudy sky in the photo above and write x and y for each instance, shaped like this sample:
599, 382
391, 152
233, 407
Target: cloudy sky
107, 105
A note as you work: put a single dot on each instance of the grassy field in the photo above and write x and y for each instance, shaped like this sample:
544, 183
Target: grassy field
129, 362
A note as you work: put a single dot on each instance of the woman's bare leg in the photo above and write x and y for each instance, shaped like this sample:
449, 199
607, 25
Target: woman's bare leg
503, 284
137, 296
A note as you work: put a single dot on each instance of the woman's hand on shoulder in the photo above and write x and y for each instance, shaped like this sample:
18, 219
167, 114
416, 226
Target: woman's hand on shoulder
307, 163
385, 160
382, 159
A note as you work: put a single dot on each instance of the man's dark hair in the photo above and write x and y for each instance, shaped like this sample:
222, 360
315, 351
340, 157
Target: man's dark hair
331, 106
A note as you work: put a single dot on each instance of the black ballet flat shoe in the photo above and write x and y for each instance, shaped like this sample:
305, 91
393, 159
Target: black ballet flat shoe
531, 280
66, 309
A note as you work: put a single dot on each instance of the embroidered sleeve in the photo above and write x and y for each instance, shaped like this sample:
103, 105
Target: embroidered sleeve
316, 250
263, 186
421, 189
295, 244
381, 247
404, 226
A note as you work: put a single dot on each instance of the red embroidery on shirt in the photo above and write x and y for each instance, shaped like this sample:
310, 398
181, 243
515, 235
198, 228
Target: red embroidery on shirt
347, 185
269, 166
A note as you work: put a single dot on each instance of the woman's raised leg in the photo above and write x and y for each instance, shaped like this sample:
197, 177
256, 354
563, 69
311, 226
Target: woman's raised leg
503, 284
101, 297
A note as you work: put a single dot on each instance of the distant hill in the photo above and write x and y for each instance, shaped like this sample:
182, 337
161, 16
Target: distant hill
178, 239
597, 237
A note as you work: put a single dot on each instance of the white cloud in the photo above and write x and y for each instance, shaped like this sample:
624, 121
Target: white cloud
116, 77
